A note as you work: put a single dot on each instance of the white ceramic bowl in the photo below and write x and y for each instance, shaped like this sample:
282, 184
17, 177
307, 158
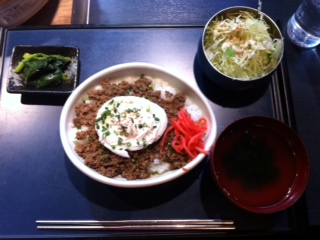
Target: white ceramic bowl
67, 130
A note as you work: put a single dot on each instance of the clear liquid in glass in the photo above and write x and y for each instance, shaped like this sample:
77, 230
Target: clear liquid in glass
303, 27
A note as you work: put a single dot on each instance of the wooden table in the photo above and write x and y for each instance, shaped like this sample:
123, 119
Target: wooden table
55, 12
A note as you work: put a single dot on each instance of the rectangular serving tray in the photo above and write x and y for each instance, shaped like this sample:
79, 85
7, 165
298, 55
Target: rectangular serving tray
39, 182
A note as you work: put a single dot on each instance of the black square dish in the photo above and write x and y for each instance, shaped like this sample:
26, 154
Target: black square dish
16, 82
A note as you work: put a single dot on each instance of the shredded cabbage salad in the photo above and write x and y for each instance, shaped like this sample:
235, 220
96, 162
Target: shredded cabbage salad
241, 47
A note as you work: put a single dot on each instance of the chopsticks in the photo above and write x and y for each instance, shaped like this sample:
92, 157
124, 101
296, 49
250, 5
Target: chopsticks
138, 225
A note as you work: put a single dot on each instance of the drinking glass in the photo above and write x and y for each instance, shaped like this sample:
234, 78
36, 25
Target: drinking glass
303, 27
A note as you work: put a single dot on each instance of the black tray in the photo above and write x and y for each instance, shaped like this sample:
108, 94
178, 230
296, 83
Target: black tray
38, 182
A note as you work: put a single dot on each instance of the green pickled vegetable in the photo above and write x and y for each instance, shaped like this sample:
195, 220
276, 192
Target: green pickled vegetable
50, 79
42, 70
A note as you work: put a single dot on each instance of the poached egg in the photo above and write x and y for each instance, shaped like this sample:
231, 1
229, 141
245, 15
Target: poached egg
129, 123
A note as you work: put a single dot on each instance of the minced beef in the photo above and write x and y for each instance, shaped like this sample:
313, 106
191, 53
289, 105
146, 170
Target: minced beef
104, 161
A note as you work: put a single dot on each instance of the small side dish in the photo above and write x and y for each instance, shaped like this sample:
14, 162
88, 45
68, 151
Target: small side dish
43, 69
240, 48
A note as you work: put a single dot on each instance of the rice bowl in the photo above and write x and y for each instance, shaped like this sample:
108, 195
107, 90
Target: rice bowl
196, 103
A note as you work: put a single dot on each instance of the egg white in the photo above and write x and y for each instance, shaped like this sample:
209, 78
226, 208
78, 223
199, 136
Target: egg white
129, 123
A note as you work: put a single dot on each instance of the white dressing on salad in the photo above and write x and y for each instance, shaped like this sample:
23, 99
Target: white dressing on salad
241, 47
